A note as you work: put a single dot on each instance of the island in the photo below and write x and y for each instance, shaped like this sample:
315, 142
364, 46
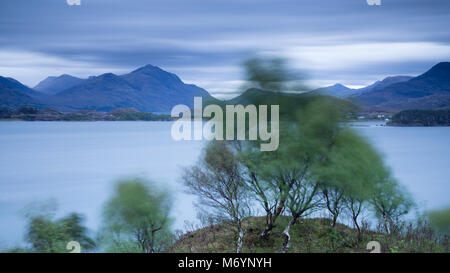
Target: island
421, 118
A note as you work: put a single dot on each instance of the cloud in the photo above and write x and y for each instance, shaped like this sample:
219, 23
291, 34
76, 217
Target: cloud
30, 67
206, 41
360, 54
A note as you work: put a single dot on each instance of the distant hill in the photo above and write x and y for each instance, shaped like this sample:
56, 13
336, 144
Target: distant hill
341, 91
384, 83
163, 90
338, 90
430, 90
103, 93
148, 89
53, 85
13, 94
151, 89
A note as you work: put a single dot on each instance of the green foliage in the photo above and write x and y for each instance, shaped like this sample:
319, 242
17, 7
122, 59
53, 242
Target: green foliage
352, 165
136, 218
267, 74
391, 201
48, 235
440, 219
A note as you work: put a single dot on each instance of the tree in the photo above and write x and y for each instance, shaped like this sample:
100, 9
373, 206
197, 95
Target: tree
267, 179
217, 182
390, 201
47, 235
136, 218
301, 202
351, 171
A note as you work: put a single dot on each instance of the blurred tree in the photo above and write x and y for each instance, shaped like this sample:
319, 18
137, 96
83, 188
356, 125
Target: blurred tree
349, 175
440, 219
136, 218
47, 235
267, 74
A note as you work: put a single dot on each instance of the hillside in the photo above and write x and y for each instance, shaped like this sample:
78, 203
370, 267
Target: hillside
105, 92
430, 90
337, 90
384, 83
310, 235
148, 89
13, 94
53, 85
341, 91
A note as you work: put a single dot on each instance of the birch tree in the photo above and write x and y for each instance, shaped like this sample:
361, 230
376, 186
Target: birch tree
217, 182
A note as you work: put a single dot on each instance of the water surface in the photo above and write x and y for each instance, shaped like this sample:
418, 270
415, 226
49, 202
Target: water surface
77, 162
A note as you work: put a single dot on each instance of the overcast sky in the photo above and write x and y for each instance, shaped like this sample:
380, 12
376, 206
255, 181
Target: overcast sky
206, 41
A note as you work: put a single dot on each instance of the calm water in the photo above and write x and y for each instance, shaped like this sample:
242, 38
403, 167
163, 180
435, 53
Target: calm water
77, 162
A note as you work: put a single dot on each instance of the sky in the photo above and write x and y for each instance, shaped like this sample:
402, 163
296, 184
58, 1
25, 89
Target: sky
205, 42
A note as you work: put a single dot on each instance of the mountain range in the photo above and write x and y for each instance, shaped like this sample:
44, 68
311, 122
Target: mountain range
342, 91
147, 89
431, 90
151, 89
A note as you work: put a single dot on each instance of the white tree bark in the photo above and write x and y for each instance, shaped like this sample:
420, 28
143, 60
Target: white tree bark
240, 240
287, 236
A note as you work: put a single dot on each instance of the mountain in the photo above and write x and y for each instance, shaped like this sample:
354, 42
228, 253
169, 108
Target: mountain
13, 94
341, 91
162, 89
53, 85
148, 89
430, 90
384, 83
105, 92
15, 85
338, 90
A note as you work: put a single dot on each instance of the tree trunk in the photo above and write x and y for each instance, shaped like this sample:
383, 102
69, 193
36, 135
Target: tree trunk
355, 221
269, 226
240, 240
335, 216
386, 226
287, 236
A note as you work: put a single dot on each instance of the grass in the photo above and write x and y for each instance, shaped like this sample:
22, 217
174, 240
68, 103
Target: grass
311, 235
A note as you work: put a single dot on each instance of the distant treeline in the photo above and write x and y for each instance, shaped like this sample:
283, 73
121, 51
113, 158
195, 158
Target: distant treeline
421, 118
121, 114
